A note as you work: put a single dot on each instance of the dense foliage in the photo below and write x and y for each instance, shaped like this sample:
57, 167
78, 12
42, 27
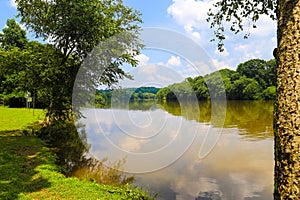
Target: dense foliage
73, 29
125, 95
253, 79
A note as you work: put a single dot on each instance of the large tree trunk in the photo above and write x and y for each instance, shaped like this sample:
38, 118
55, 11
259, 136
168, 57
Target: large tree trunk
287, 112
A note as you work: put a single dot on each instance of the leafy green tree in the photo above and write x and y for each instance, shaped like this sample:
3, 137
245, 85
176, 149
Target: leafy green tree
34, 68
287, 112
271, 76
200, 88
269, 93
252, 90
75, 28
264, 72
218, 85
254, 68
163, 93
238, 90
237, 85
13, 35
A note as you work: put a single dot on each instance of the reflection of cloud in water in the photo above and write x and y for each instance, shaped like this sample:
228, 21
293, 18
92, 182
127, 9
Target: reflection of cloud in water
235, 169
131, 144
188, 189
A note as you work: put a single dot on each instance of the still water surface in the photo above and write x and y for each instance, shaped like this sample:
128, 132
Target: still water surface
182, 152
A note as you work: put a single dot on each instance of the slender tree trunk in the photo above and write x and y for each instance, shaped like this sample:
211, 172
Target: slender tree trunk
287, 110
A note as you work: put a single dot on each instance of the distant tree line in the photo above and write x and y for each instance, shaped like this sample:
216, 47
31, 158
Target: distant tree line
253, 80
103, 97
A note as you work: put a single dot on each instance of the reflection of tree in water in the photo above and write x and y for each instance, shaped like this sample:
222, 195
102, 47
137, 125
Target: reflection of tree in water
188, 111
253, 118
69, 142
133, 105
215, 195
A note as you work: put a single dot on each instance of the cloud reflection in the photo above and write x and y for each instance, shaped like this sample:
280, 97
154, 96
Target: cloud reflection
235, 169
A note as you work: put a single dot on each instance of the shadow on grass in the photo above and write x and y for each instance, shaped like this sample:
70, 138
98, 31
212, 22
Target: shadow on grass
19, 157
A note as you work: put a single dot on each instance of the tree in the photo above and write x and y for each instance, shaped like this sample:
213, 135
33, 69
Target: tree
13, 35
75, 28
287, 112
269, 93
254, 68
200, 88
264, 72
34, 68
244, 89
217, 86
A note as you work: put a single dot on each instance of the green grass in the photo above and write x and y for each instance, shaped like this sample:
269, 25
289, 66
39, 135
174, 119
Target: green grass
18, 118
28, 171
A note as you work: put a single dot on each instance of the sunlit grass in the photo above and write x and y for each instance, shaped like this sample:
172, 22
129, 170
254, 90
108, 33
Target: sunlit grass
28, 169
18, 118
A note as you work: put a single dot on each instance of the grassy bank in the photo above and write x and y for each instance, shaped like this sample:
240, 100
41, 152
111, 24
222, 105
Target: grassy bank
28, 170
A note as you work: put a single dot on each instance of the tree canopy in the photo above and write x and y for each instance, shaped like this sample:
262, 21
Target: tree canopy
71, 30
76, 27
13, 35
253, 79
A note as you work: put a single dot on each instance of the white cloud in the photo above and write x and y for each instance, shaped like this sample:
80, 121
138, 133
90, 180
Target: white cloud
220, 64
194, 34
201, 68
174, 61
190, 72
258, 47
152, 74
143, 59
191, 15
148, 70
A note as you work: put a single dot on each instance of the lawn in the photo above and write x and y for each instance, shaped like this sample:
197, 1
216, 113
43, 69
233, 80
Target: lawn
28, 169
18, 118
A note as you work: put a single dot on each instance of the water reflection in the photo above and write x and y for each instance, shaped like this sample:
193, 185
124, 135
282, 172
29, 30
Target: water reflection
168, 137
254, 119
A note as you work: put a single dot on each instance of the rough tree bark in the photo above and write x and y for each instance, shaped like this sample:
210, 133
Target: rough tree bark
287, 111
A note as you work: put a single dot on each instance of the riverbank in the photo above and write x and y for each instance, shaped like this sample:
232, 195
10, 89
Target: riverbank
28, 169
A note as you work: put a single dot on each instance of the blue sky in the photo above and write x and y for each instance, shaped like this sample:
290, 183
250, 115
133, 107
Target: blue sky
188, 17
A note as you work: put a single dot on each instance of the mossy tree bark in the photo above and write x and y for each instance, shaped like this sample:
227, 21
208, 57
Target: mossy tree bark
287, 114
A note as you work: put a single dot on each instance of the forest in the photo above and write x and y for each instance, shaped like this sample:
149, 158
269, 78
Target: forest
252, 80
103, 97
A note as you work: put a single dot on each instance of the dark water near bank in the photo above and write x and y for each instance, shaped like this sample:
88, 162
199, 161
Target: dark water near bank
189, 151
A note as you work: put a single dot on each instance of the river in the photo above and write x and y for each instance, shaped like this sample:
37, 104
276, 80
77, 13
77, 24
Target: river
188, 151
